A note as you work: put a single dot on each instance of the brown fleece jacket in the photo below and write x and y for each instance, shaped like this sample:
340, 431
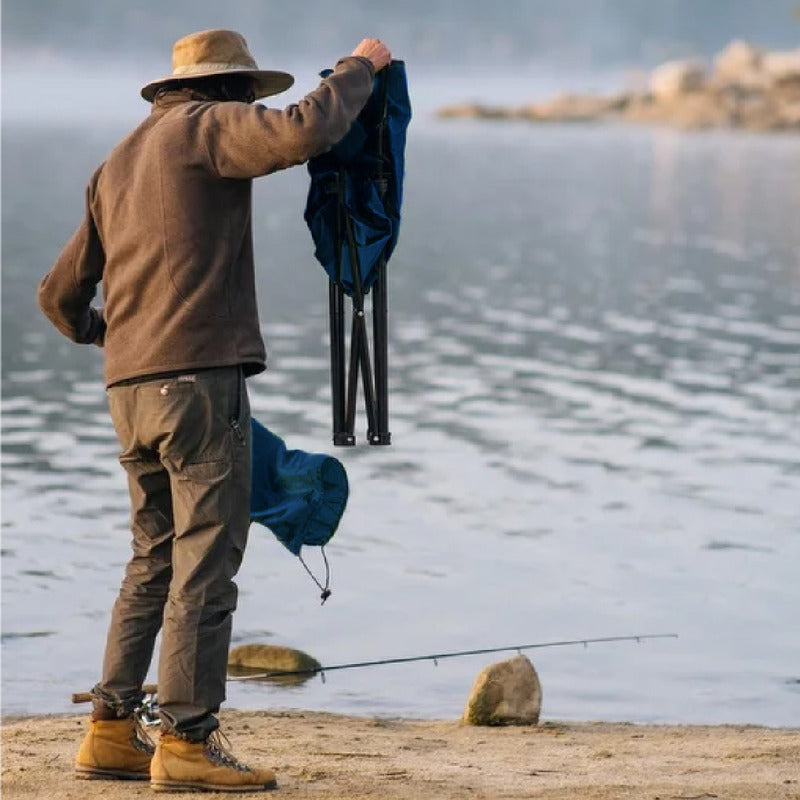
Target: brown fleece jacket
167, 229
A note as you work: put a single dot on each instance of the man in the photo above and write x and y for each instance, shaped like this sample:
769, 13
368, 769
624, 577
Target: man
167, 230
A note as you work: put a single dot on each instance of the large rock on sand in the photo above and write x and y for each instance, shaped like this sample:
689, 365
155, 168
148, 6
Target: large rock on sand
505, 693
676, 78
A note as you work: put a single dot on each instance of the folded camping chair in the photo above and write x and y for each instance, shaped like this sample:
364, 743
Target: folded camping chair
353, 213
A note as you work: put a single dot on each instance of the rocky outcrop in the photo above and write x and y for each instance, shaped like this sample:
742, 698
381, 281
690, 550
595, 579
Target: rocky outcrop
745, 88
782, 68
505, 693
740, 65
676, 78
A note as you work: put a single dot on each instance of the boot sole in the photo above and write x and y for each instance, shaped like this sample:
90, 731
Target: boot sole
100, 774
197, 786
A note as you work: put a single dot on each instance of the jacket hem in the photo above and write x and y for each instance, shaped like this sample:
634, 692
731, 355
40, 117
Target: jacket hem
250, 367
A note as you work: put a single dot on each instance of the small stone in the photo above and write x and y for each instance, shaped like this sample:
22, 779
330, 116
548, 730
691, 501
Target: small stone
505, 693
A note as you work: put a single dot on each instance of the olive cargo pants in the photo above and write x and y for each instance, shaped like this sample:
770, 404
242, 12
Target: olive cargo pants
186, 449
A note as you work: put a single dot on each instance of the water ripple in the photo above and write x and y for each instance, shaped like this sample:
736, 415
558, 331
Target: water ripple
594, 379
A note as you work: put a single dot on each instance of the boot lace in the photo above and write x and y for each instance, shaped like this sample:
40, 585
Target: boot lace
141, 739
218, 748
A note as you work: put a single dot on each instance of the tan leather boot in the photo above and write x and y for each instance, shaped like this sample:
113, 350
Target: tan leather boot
179, 765
116, 749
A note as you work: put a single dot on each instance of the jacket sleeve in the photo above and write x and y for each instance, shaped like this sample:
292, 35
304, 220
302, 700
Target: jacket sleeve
245, 141
66, 292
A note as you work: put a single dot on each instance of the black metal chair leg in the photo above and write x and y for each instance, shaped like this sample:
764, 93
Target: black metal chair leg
366, 381
341, 436
381, 434
352, 377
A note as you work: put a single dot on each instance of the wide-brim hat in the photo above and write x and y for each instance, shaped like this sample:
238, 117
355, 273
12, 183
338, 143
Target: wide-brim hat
218, 52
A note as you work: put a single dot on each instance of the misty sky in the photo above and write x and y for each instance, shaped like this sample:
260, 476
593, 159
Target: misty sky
92, 56
436, 32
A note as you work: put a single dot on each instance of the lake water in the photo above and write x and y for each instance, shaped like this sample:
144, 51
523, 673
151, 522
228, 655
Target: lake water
595, 365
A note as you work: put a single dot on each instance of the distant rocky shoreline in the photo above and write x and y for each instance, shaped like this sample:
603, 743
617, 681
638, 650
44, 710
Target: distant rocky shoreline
746, 87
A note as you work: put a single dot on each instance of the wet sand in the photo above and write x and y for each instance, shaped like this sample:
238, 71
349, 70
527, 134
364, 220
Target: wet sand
341, 758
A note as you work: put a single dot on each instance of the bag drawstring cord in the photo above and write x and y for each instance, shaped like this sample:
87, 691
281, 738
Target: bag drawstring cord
326, 592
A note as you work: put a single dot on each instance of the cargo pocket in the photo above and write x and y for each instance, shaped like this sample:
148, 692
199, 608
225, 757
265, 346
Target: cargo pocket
201, 493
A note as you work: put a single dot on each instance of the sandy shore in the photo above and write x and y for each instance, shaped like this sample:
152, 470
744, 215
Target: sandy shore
341, 758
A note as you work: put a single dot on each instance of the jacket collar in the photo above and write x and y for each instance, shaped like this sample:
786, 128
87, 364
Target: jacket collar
168, 100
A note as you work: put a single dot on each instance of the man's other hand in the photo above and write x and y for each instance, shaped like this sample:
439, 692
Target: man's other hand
376, 51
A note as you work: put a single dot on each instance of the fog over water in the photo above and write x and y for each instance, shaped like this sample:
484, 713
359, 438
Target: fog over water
88, 58
75, 92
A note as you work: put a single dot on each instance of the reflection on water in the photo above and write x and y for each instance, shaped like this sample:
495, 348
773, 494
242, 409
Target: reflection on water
595, 364
273, 678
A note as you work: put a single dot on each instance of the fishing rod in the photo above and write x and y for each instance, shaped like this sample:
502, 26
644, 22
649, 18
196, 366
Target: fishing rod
436, 657
150, 690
